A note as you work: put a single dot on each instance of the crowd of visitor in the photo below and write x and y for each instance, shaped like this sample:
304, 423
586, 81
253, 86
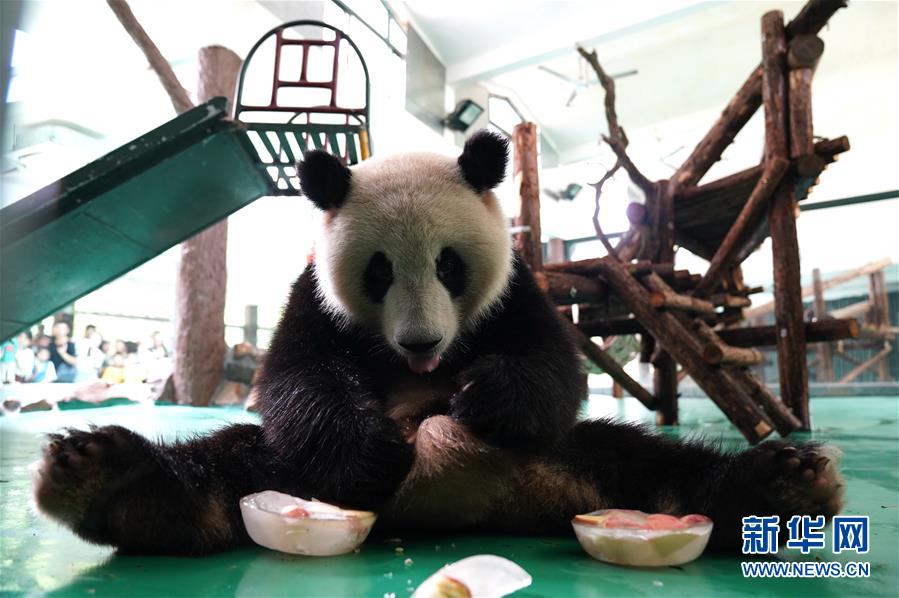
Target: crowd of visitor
58, 358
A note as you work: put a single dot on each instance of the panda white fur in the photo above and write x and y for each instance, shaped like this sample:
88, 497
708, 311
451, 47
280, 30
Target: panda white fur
418, 371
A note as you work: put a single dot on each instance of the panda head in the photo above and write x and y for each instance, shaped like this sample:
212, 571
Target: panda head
414, 247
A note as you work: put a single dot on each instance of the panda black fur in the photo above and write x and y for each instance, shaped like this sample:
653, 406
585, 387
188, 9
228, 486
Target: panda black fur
417, 371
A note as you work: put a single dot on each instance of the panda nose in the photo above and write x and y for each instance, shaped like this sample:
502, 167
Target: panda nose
419, 346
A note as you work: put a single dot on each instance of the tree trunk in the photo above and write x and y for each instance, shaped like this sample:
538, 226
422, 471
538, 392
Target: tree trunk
202, 273
525, 175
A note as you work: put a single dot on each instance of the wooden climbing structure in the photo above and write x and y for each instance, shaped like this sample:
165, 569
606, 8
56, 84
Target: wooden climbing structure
688, 322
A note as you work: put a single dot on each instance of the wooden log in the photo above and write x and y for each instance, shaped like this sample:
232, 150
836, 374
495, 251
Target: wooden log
783, 418
753, 211
791, 345
565, 289
647, 347
807, 291
829, 148
526, 179
791, 360
685, 303
716, 351
810, 20
665, 224
555, 251
678, 279
854, 311
813, 16
757, 336
804, 51
880, 316
685, 349
774, 85
865, 365
784, 421
734, 116
729, 301
664, 386
816, 332
801, 127
824, 371
716, 354
605, 362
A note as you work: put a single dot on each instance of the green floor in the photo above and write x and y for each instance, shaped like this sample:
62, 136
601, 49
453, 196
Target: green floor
38, 557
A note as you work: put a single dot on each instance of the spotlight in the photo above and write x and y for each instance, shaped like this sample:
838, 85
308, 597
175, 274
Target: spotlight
466, 112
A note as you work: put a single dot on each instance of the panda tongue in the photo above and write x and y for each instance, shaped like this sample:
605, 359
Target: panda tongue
423, 365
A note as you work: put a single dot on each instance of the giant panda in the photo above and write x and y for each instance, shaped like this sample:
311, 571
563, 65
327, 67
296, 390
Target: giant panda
420, 372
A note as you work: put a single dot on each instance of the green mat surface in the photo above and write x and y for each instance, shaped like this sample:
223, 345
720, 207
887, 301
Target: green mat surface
38, 557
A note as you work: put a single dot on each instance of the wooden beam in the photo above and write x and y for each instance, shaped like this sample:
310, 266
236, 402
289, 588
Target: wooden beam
856, 310
685, 303
664, 385
804, 51
753, 211
810, 20
605, 362
860, 368
880, 315
788, 309
686, 350
716, 354
565, 289
828, 330
824, 371
783, 419
809, 290
525, 175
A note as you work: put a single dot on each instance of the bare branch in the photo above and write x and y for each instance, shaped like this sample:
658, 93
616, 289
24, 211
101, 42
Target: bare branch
177, 94
624, 160
608, 85
599, 232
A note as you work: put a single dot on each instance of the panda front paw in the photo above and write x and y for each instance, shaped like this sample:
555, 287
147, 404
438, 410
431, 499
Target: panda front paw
80, 469
797, 479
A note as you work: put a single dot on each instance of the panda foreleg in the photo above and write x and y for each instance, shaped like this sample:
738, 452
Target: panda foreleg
522, 401
634, 468
113, 486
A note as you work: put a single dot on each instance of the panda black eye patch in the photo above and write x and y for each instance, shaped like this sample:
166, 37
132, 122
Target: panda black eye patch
378, 277
451, 271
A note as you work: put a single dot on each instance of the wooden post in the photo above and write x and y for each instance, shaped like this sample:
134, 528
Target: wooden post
555, 250
674, 337
825, 351
665, 230
202, 273
605, 361
525, 176
880, 315
200, 292
664, 382
810, 20
745, 223
792, 364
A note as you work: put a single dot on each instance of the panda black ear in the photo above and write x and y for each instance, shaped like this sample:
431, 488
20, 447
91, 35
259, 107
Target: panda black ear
324, 179
483, 160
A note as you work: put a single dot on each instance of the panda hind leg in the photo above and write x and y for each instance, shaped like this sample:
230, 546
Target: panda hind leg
632, 467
